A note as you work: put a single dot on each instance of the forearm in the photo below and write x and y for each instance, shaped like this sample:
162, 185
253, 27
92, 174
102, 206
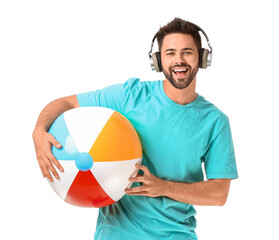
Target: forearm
207, 193
44, 141
53, 110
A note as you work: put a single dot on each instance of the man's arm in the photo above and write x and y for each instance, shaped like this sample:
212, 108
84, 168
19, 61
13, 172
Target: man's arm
43, 140
212, 192
207, 193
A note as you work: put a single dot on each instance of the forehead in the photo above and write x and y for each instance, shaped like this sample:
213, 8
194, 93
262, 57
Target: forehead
178, 41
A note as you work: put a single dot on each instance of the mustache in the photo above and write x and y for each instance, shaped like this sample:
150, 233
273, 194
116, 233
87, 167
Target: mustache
181, 65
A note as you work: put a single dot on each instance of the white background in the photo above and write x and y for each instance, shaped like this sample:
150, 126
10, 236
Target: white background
50, 49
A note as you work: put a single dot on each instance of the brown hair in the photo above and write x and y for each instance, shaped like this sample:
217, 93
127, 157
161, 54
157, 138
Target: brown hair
177, 25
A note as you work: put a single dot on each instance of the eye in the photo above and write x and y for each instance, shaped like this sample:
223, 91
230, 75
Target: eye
188, 53
170, 53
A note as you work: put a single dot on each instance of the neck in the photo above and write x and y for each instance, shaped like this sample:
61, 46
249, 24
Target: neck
181, 96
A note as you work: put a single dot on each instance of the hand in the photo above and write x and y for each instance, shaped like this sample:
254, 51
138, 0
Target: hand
152, 186
43, 143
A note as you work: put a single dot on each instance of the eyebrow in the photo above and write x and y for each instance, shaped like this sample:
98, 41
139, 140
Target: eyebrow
173, 50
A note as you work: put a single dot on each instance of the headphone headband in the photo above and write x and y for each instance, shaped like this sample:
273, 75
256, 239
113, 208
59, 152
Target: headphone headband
205, 55
203, 32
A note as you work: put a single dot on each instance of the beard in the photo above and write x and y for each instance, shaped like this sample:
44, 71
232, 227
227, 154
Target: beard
184, 82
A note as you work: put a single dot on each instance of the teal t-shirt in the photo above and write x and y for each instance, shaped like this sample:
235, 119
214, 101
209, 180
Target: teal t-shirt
176, 139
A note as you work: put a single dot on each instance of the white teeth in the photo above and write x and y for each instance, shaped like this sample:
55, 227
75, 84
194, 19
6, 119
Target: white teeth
180, 70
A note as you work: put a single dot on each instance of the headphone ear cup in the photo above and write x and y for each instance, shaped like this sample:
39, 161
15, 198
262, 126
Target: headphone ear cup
203, 58
156, 58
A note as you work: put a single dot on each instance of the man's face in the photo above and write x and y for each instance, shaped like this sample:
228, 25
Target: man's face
180, 59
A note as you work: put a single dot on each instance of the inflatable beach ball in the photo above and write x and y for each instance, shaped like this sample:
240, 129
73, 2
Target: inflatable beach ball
100, 148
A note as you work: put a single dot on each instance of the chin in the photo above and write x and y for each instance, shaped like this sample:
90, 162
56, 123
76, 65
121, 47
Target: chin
180, 83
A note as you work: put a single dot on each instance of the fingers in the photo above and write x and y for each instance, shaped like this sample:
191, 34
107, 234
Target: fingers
137, 179
54, 142
55, 162
135, 191
53, 171
47, 162
141, 178
52, 159
143, 168
47, 168
152, 186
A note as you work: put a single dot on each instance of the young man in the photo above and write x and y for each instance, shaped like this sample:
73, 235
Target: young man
179, 130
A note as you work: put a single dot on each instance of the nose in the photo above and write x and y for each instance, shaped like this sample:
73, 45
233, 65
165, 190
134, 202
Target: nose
180, 59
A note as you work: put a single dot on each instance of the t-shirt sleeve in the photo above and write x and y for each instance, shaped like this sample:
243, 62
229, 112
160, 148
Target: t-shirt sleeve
219, 160
110, 97
114, 96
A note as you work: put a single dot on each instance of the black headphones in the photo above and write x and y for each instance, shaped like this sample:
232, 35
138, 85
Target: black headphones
205, 55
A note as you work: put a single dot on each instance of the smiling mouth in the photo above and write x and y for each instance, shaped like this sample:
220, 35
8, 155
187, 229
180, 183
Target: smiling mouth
180, 72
